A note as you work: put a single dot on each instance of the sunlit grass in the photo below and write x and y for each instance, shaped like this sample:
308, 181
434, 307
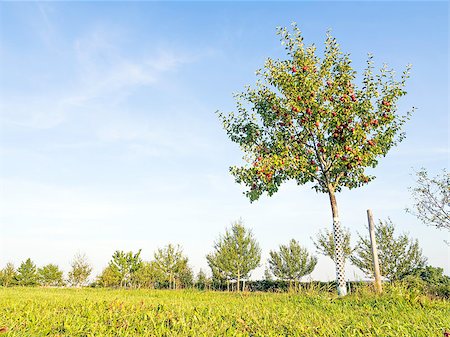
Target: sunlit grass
105, 312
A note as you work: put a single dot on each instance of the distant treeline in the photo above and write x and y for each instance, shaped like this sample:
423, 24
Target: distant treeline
234, 256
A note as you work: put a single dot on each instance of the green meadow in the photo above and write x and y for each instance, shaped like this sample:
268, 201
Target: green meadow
108, 312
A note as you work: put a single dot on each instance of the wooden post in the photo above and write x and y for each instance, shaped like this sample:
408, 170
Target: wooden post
376, 265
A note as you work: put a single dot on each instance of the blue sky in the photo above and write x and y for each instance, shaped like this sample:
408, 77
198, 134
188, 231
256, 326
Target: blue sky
109, 138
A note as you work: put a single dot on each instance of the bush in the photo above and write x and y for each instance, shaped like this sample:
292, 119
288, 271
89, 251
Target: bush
429, 281
439, 290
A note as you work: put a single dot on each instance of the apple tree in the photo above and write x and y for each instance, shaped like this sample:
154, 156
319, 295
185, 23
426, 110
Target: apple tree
308, 119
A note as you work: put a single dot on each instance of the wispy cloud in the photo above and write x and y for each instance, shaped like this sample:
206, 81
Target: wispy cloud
105, 75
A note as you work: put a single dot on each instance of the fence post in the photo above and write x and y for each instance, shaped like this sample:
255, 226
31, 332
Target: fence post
373, 243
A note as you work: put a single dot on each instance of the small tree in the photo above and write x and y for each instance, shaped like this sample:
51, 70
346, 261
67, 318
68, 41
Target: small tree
291, 262
235, 254
324, 243
186, 277
125, 265
399, 256
171, 262
27, 274
201, 281
81, 269
432, 199
307, 120
148, 276
8, 275
50, 276
110, 277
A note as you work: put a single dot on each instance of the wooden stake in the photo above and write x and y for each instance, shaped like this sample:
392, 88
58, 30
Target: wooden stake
376, 265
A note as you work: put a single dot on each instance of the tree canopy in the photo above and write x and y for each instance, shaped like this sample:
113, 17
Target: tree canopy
308, 120
50, 275
27, 273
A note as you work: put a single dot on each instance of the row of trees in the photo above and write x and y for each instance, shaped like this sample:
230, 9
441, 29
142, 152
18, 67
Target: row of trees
168, 269
28, 274
235, 255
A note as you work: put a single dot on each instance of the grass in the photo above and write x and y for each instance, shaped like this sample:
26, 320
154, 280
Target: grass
105, 312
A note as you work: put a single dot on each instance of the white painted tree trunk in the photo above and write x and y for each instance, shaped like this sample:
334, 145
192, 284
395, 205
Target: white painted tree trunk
339, 258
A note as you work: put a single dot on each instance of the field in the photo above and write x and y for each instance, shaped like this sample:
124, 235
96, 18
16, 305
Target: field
104, 312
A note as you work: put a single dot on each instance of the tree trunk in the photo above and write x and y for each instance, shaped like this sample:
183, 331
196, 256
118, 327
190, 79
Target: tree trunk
339, 259
373, 243
238, 280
